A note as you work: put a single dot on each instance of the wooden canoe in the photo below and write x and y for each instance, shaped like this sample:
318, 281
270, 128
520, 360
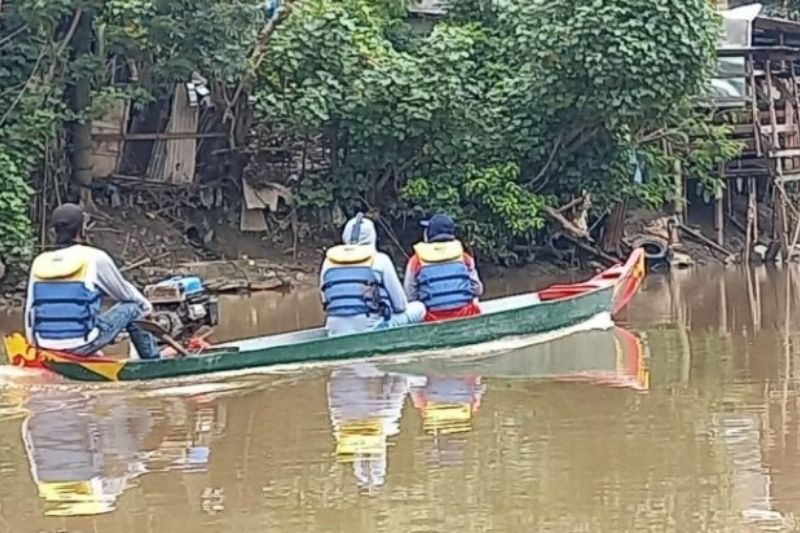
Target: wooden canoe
553, 308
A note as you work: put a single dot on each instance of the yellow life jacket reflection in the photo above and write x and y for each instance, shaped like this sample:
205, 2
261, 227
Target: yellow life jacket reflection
448, 403
365, 406
82, 462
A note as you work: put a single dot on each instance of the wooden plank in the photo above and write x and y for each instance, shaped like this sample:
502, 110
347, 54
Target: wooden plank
745, 173
754, 105
780, 128
106, 154
176, 135
752, 210
773, 120
719, 221
181, 153
796, 105
787, 152
779, 222
174, 160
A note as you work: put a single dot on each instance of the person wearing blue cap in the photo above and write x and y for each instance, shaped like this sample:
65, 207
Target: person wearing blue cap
441, 274
360, 287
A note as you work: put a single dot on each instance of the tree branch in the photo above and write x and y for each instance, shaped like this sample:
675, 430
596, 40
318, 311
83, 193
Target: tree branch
568, 226
572, 203
582, 136
60, 50
22, 91
549, 161
76, 18
259, 52
13, 34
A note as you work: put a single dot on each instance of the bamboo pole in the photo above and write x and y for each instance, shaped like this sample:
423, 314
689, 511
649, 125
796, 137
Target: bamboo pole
754, 200
754, 105
748, 234
723, 306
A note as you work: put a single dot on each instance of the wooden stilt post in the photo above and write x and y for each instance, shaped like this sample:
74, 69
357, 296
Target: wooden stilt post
719, 210
751, 233
754, 105
780, 198
719, 219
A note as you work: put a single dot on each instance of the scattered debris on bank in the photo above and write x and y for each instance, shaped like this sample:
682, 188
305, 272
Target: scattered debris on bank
149, 248
670, 241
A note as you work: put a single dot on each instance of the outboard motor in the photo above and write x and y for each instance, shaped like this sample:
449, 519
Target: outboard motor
182, 305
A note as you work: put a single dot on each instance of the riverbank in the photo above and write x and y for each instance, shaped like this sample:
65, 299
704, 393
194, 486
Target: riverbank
150, 246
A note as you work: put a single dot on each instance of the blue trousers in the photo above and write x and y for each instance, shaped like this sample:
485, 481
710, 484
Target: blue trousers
111, 323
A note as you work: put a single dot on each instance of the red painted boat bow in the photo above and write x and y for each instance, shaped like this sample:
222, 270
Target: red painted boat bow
626, 277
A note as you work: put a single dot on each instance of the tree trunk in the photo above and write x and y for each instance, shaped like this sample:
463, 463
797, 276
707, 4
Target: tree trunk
612, 237
80, 98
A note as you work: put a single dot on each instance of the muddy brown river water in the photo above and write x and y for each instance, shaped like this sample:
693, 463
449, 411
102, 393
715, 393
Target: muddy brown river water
685, 419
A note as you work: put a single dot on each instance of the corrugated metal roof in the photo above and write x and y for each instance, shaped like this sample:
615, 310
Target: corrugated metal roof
435, 8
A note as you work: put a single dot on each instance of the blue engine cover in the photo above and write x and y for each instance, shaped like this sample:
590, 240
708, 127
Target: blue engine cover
189, 285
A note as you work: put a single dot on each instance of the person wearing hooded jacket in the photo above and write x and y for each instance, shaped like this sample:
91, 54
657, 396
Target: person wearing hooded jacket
359, 285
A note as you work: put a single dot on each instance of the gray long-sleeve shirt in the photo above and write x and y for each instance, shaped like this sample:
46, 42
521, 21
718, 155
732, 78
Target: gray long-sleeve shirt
384, 269
101, 273
361, 231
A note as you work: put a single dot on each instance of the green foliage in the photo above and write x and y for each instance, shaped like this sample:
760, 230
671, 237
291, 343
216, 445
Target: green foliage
141, 48
501, 106
30, 106
170, 39
492, 205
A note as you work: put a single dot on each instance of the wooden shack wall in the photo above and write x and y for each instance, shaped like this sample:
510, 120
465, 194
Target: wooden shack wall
107, 152
174, 160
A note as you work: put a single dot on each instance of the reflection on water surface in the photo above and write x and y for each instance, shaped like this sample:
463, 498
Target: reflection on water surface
685, 419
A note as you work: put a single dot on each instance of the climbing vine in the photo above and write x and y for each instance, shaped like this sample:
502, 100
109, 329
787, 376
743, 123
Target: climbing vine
62, 62
494, 112
31, 53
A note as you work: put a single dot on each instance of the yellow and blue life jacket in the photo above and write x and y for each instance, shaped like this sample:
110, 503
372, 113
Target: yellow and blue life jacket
64, 305
443, 276
350, 285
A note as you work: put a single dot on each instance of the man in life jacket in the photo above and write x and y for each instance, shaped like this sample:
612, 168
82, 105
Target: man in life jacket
441, 274
65, 289
360, 287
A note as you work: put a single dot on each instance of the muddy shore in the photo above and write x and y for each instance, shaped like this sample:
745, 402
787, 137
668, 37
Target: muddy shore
149, 247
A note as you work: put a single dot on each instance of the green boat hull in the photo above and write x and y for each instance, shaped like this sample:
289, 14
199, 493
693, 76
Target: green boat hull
538, 318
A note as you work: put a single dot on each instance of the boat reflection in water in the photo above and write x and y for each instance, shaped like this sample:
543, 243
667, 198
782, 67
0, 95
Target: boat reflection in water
85, 451
615, 357
365, 400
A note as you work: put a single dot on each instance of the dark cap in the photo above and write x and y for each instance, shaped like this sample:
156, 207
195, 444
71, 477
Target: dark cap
67, 215
440, 228
67, 220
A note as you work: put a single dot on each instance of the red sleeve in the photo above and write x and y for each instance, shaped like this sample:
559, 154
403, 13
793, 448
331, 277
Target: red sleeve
413, 264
